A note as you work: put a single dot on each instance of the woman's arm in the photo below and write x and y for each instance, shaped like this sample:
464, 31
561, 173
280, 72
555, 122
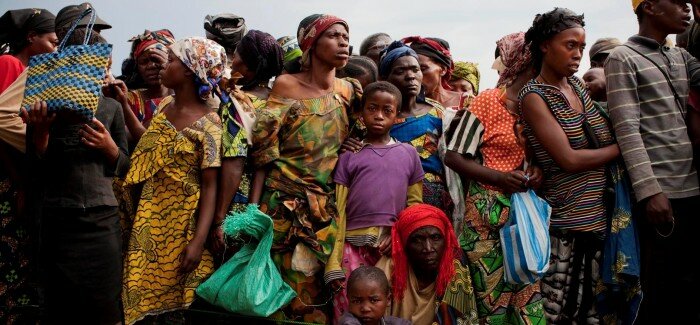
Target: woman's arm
548, 131
118, 90
257, 185
192, 254
229, 182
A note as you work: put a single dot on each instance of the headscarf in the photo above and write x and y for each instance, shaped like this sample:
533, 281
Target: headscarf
515, 56
393, 52
207, 59
311, 28
468, 71
261, 54
436, 49
545, 26
226, 29
290, 46
15, 24
159, 39
410, 220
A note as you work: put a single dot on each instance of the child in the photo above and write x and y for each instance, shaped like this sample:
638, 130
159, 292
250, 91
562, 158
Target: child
374, 185
176, 163
369, 294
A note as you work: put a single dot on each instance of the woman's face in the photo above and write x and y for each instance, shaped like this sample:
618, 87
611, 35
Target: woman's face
149, 66
563, 52
42, 43
333, 46
175, 72
432, 72
406, 75
425, 248
238, 67
462, 86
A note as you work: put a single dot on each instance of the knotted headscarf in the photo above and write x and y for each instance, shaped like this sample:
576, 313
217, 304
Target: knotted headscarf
311, 28
468, 71
515, 56
436, 49
207, 59
226, 29
410, 220
15, 24
393, 52
159, 39
261, 54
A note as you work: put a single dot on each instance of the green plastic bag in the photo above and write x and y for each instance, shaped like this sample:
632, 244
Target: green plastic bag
248, 283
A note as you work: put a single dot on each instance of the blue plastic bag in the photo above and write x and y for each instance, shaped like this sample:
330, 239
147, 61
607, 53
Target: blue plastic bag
525, 238
248, 283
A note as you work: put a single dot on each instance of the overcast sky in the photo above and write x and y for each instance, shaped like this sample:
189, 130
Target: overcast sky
471, 26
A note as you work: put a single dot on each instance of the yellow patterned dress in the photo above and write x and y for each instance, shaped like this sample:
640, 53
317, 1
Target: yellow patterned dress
167, 164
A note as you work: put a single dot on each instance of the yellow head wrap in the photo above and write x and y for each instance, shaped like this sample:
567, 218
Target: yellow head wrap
635, 4
469, 72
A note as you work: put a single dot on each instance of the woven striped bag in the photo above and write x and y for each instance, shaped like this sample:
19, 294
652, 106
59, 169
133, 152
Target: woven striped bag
71, 78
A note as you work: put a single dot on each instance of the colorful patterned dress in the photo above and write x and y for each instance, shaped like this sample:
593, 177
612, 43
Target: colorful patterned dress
298, 141
424, 133
235, 140
143, 108
579, 216
168, 164
485, 133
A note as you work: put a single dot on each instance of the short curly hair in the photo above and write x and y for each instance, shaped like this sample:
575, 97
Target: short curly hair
547, 25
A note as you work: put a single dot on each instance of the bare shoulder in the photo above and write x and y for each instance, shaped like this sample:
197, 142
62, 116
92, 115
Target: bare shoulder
286, 85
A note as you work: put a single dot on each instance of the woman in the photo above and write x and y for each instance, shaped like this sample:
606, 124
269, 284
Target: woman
296, 140
176, 165
149, 51
436, 65
257, 59
492, 159
419, 122
429, 277
465, 78
24, 33
572, 143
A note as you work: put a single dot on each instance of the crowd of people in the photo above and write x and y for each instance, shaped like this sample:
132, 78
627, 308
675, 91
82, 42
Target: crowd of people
387, 175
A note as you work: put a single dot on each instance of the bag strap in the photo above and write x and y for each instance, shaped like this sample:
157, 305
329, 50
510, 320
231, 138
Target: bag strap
668, 80
91, 24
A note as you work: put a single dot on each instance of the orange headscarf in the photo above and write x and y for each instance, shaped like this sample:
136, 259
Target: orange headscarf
410, 220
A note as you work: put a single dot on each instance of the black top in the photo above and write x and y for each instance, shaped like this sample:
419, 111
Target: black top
75, 176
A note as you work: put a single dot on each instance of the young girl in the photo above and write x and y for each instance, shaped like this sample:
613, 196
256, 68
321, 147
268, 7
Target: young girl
176, 164
368, 210
296, 140
370, 294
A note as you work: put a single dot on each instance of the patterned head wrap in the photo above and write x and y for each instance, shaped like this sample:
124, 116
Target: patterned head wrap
261, 54
393, 52
515, 56
290, 46
311, 28
468, 71
436, 49
159, 39
207, 59
410, 220
226, 29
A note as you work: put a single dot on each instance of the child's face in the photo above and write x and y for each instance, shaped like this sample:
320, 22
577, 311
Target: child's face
368, 301
379, 112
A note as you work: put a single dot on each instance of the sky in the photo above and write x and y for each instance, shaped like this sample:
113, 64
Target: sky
472, 27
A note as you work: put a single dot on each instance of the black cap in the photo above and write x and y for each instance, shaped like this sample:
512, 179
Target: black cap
67, 15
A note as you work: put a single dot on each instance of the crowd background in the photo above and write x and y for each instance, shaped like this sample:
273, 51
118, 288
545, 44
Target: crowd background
472, 27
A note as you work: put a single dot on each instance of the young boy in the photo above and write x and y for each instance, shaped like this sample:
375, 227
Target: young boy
373, 185
369, 295
647, 85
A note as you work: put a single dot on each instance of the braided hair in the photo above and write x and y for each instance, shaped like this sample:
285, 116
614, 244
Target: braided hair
547, 25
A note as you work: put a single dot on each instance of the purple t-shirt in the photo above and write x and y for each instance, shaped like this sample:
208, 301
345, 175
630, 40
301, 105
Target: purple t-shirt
378, 178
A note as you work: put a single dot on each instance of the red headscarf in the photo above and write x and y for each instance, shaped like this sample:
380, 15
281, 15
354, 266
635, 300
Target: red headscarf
409, 220
312, 28
150, 39
435, 50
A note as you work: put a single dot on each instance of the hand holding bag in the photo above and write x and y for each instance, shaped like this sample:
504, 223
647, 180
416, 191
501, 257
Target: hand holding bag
525, 238
71, 78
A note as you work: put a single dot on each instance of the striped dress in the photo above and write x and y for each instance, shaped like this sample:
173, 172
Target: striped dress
576, 198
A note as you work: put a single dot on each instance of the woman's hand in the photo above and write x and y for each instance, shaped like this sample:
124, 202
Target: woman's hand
337, 285
191, 257
534, 174
99, 138
513, 181
39, 117
351, 144
385, 246
117, 90
217, 242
